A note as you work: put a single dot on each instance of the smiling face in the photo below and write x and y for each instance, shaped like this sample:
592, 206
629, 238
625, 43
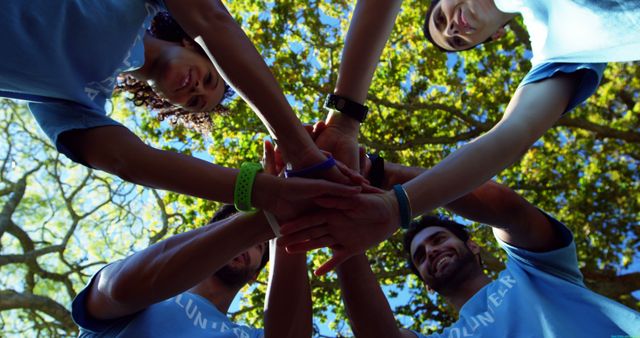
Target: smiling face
244, 267
442, 259
456, 25
186, 77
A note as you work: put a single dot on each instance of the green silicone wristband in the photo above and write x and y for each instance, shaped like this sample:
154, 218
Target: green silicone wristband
244, 186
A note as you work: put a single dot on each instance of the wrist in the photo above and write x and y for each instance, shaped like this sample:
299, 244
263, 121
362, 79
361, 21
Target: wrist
346, 105
327, 164
306, 157
391, 176
394, 208
265, 188
345, 124
404, 206
244, 186
257, 228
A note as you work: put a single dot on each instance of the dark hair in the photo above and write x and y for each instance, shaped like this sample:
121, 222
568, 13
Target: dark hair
427, 33
164, 27
228, 210
427, 221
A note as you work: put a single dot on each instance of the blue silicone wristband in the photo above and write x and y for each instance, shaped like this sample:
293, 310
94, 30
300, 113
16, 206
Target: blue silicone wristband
403, 206
329, 163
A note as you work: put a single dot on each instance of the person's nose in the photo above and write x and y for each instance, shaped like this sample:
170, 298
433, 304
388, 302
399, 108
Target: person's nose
452, 29
431, 252
196, 88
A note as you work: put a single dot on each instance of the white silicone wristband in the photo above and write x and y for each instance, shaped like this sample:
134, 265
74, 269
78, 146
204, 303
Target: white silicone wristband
273, 222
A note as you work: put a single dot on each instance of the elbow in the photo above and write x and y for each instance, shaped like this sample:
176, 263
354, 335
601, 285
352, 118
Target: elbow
119, 162
211, 16
514, 138
112, 284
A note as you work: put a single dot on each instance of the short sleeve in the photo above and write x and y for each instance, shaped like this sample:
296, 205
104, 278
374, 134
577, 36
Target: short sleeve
88, 324
57, 117
561, 262
509, 6
420, 335
591, 75
258, 333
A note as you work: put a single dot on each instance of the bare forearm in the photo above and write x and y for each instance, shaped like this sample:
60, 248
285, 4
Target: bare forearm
288, 309
398, 174
126, 156
532, 111
491, 203
463, 171
367, 307
179, 173
241, 65
369, 30
149, 276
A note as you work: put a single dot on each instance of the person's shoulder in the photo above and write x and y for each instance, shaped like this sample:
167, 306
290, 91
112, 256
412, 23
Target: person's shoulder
561, 261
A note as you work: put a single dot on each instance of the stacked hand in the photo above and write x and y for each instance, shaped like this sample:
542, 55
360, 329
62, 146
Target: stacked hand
293, 196
348, 222
347, 225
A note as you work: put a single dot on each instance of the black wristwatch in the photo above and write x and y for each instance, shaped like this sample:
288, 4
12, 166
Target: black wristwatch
376, 173
344, 105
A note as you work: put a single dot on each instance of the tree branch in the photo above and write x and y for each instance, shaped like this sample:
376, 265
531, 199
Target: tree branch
10, 299
600, 130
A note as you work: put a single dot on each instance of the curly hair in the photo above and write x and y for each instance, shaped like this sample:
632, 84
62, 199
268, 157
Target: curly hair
424, 222
164, 27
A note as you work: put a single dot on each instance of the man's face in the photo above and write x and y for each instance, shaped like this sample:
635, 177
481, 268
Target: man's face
442, 259
186, 77
243, 268
461, 24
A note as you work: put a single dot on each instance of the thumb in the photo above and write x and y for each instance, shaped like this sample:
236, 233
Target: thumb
338, 258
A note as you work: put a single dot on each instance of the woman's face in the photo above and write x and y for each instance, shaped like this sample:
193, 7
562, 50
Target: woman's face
461, 24
186, 77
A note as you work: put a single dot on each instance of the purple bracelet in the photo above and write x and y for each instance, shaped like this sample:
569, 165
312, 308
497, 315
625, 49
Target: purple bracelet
329, 163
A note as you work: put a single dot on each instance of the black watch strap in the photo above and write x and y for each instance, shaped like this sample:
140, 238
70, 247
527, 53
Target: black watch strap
344, 105
376, 173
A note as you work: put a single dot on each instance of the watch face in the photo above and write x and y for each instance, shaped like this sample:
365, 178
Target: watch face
340, 104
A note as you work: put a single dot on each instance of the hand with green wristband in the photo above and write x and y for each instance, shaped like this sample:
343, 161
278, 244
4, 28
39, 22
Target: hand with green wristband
292, 196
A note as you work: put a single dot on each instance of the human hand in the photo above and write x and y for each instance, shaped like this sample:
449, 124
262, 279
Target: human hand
354, 177
287, 198
272, 161
347, 225
365, 162
340, 140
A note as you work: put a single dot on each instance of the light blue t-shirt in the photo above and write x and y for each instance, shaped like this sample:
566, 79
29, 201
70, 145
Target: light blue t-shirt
185, 315
571, 35
64, 56
590, 77
579, 31
542, 295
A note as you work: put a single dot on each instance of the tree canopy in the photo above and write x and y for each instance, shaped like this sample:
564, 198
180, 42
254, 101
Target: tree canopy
60, 222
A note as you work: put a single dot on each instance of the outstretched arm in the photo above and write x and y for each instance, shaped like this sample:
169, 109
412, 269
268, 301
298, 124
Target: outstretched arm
533, 110
240, 64
513, 219
149, 276
117, 150
367, 307
369, 30
288, 308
